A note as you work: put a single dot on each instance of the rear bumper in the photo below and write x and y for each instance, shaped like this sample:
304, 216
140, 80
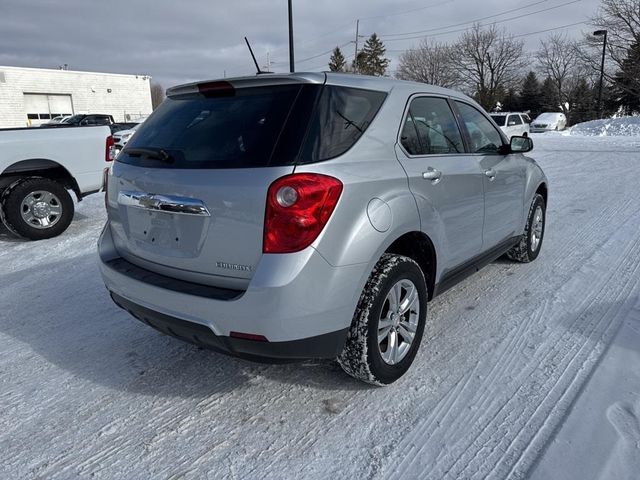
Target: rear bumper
328, 345
299, 302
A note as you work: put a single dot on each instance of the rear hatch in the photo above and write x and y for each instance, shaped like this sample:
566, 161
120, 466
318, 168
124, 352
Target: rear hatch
187, 195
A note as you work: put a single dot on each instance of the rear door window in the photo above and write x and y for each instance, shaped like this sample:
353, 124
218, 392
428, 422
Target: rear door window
435, 128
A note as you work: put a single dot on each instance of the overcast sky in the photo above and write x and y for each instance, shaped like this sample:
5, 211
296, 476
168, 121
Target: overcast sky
180, 41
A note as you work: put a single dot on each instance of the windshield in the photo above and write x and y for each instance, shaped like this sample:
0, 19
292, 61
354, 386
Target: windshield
74, 119
499, 119
548, 117
254, 127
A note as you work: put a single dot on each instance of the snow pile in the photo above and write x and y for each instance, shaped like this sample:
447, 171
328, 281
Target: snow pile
611, 127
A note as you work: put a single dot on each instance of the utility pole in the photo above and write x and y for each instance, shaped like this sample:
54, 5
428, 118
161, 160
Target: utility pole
355, 59
599, 33
291, 60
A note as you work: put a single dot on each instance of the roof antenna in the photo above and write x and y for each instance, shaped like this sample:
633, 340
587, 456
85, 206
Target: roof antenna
254, 57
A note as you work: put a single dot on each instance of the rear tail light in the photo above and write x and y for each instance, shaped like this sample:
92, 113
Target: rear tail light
109, 150
298, 208
105, 186
216, 89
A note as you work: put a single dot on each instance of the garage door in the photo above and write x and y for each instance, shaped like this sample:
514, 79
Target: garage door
40, 107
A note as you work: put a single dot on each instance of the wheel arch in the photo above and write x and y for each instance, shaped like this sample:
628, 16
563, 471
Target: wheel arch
418, 246
39, 167
542, 190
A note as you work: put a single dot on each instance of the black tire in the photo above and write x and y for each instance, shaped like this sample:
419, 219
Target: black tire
525, 134
525, 251
11, 204
362, 357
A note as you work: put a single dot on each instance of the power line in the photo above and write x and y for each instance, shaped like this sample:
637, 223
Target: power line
365, 18
467, 22
409, 11
550, 29
514, 36
323, 53
497, 21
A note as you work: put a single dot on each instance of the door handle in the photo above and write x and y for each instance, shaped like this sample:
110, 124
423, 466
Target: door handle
491, 173
432, 174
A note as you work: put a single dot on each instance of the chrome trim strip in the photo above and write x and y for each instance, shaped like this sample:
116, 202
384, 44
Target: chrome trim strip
163, 203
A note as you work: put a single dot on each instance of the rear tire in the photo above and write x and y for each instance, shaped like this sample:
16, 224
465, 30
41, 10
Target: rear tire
528, 249
37, 208
388, 323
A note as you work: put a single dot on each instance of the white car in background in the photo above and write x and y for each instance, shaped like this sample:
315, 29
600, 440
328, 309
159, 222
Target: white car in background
121, 138
549, 121
512, 124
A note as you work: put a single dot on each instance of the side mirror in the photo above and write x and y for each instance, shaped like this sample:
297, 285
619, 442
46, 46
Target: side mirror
521, 144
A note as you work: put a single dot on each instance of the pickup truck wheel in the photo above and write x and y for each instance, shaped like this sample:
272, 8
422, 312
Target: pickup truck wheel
528, 248
37, 208
388, 323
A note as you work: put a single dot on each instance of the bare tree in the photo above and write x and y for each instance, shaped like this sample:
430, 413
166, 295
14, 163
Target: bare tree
621, 20
428, 63
558, 60
487, 60
157, 95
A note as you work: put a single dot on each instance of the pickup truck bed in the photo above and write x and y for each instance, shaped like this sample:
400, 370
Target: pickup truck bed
37, 168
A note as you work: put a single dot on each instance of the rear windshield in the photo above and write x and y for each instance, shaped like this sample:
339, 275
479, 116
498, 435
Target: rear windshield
254, 127
499, 119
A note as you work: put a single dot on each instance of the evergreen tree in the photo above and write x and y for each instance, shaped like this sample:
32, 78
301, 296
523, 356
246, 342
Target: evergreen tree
549, 98
337, 62
511, 101
582, 103
624, 93
371, 60
359, 63
530, 95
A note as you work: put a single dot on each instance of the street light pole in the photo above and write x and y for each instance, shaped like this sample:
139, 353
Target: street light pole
291, 61
602, 33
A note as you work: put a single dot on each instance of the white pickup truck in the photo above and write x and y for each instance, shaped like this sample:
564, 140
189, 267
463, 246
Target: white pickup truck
38, 167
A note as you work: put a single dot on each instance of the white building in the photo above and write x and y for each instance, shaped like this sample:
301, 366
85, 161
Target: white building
30, 96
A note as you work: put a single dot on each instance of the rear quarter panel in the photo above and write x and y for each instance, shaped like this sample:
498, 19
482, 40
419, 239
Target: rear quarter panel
370, 172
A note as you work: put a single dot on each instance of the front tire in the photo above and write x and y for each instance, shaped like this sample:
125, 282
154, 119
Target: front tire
528, 249
37, 208
388, 323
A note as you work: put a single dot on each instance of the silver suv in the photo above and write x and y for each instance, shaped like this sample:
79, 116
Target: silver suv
313, 215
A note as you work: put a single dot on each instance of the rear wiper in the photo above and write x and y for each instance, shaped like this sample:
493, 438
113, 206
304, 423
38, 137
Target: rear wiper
349, 123
151, 153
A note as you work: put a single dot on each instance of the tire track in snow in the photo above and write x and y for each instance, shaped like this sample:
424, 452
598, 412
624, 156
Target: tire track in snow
535, 366
588, 238
630, 251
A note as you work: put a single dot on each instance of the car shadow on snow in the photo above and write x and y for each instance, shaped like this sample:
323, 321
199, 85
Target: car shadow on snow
65, 315
7, 236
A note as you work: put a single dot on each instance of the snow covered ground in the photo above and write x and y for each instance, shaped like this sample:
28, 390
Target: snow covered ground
525, 370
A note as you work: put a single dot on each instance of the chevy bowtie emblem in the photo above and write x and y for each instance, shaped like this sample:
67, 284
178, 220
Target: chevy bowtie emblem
149, 201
